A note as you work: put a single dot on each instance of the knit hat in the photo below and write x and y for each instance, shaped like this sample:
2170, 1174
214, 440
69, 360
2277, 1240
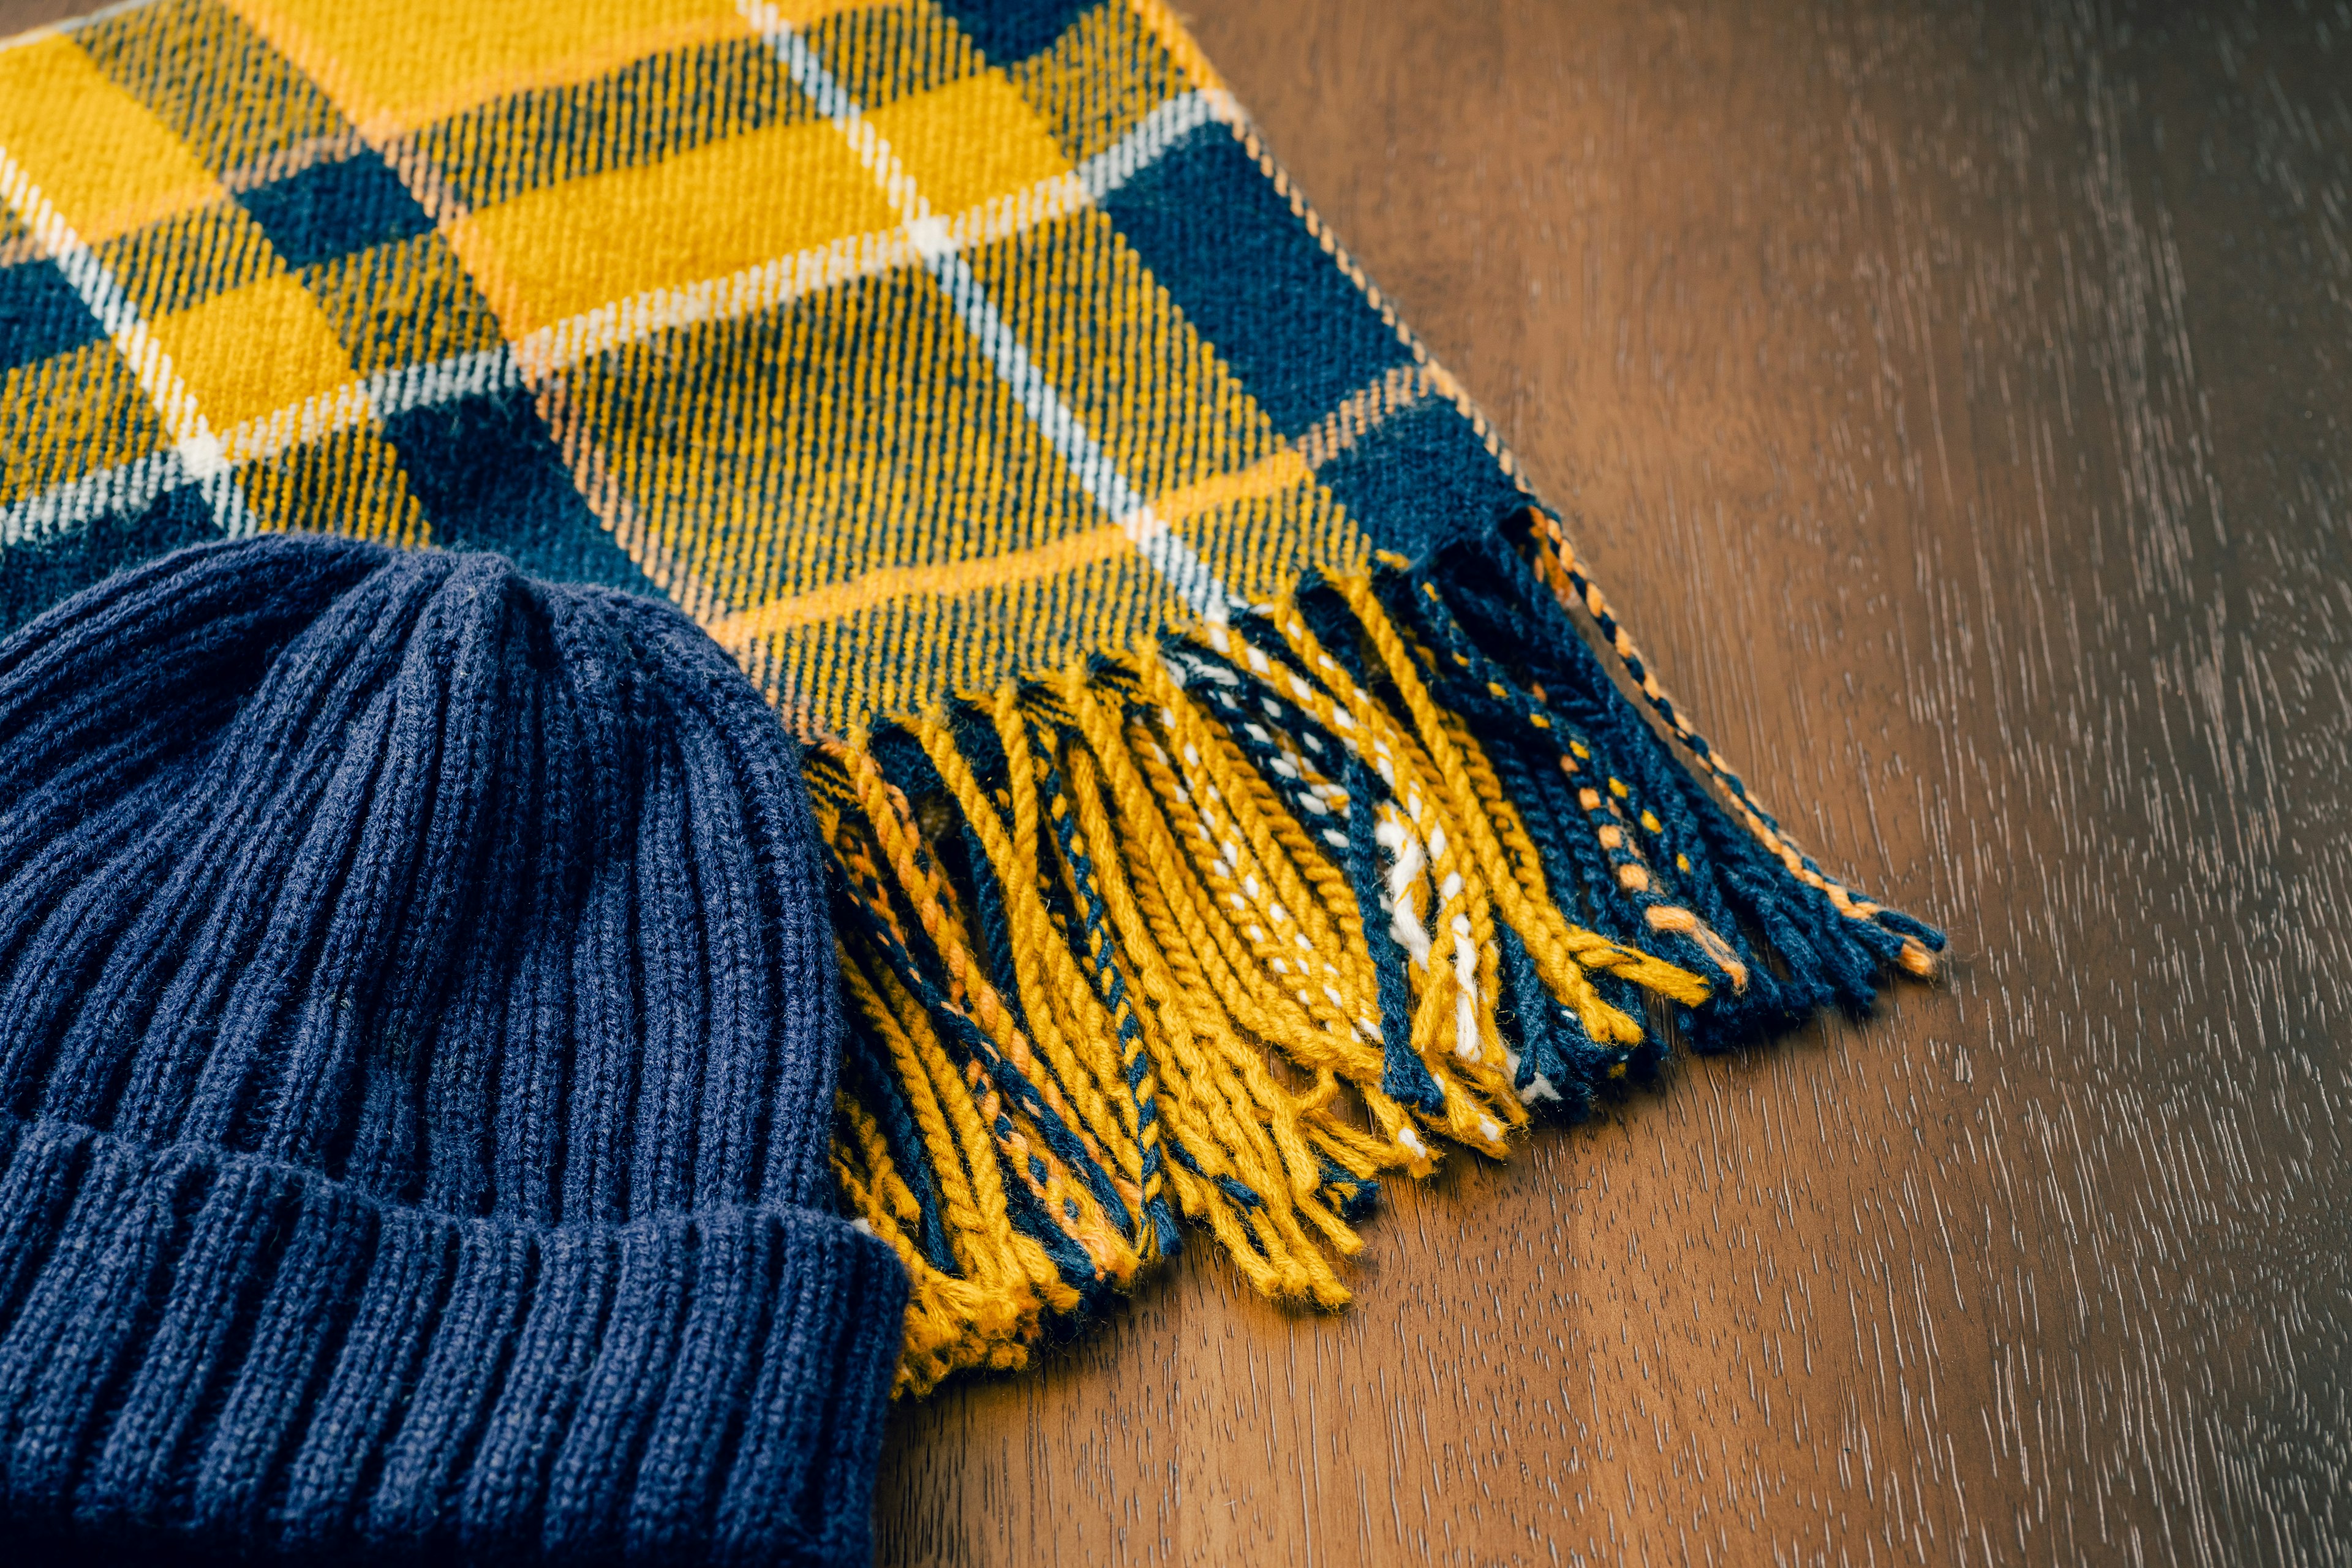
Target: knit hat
417, 1035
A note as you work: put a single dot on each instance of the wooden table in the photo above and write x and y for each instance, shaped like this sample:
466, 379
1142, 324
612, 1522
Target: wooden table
1954, 399
1959, 403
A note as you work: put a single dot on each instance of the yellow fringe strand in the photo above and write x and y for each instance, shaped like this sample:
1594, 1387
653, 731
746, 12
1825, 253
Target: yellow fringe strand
1220, 933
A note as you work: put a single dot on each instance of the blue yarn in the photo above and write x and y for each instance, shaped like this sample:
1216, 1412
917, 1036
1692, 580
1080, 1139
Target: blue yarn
1243, 704
976, 740
1102, 943
919, 966
1328, 616
1572, 859
1622, 748
966, 1043
1732, 883
1070, 1260
1355, 1196
870, 1080
1404, 1076
1530, 1024
1252, 712
995, 924
417, 1048
1500, 714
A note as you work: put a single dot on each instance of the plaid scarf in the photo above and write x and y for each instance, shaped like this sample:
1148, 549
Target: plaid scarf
1225, 806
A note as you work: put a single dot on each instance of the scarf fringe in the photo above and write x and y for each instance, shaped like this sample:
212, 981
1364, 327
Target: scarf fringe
1226, 930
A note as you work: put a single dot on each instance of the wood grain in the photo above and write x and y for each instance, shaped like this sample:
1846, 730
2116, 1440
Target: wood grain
1954, 399
23, 15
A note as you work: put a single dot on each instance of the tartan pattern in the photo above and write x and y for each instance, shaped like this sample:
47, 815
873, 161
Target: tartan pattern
966, 369
907, 346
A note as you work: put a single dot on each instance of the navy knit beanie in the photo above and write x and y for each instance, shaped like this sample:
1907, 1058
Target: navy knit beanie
418, 1034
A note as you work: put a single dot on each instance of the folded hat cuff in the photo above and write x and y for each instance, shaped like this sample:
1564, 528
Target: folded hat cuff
223, 1348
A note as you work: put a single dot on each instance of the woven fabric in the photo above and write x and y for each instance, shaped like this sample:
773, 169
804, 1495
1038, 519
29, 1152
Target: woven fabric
417, 1038
1236, 786
907, 346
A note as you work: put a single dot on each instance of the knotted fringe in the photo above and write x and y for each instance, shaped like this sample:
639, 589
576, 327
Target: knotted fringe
1226, 930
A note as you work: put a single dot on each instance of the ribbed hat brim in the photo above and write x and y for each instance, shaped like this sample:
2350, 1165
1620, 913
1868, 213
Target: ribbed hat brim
417, 1035
222, 1349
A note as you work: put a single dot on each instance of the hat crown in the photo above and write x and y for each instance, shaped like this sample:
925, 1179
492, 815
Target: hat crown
475, 892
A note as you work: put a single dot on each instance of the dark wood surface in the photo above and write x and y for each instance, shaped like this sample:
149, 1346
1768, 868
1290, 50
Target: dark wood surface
1958, 402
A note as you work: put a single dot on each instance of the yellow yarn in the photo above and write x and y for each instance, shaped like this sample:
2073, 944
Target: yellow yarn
1058, 1003
1172, 927
1559, 569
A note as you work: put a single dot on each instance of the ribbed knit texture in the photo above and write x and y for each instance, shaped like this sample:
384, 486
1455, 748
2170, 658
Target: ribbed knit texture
1229, 811
417, 1042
